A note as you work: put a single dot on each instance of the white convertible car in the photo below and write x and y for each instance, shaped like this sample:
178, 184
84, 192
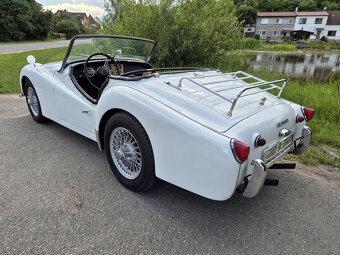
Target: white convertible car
208, 132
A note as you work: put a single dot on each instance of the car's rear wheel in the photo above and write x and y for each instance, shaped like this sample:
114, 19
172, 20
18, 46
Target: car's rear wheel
129, 152
33, 103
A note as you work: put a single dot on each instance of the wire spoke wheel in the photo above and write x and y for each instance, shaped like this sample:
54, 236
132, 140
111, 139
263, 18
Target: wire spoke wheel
32, 101
125, 153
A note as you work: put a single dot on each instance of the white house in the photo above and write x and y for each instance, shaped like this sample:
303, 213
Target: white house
333, 25
312, 22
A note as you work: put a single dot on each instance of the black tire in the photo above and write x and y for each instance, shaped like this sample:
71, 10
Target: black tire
38, 117
146, 177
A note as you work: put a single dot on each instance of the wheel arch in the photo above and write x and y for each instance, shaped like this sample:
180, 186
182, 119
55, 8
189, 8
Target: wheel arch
23, 81
103, 121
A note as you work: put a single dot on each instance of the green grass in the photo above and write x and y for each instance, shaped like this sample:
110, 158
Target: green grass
250, 43
283, 47
11, 65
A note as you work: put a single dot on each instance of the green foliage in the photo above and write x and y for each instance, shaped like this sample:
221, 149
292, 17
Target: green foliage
324, 39
283, 47
68, 27
195, 32
257, 36
250, 43
23, 19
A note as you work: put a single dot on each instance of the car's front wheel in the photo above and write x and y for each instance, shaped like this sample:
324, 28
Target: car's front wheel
33, 103
129, 152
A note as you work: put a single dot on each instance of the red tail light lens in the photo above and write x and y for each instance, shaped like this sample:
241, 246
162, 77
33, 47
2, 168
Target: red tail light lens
299, 118
240, 150
259, 141
308, 113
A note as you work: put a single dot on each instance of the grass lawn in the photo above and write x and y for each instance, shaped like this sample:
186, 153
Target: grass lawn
323, 97
11, 65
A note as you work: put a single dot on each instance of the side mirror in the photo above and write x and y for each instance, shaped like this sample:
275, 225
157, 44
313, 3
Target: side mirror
31, 59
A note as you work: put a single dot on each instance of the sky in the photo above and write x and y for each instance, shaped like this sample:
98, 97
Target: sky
93, 7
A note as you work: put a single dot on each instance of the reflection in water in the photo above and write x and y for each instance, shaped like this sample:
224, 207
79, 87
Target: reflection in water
310, 65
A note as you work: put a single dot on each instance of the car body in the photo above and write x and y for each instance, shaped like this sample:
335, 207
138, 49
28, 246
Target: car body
203, 126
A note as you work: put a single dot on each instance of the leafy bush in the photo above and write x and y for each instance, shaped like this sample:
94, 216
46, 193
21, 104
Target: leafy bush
68, 27
188, 32
250, 43
21, 20
283, 47
257, 36
324, 39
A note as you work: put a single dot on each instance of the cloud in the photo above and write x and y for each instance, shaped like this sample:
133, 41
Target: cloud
95, 11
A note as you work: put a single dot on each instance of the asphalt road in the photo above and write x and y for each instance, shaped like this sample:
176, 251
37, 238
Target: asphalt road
20, 47
59, 196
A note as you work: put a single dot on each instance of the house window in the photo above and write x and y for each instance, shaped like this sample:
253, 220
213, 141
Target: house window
318, 21
263, 33
290, 21
249, 29
302, 20
331, 33
264, 21
276, 33
278, 21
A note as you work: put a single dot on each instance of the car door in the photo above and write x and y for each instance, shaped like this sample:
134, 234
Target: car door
74, 110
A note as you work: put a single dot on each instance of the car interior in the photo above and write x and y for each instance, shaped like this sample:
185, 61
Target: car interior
98, 73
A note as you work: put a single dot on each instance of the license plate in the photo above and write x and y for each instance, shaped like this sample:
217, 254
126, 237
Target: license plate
278, 149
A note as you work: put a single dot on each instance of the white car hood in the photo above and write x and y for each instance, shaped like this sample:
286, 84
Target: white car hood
206, 108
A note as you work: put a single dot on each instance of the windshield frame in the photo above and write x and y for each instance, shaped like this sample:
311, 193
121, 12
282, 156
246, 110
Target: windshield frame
69, 49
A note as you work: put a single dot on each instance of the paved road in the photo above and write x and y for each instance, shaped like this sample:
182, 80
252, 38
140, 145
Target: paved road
59, 196
20, 47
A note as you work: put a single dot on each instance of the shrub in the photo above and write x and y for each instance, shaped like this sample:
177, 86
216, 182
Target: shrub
324, 39
283, 47
257, 36
250, 43
68, 27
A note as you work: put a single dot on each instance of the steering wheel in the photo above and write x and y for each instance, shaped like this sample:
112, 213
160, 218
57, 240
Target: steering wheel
101, 70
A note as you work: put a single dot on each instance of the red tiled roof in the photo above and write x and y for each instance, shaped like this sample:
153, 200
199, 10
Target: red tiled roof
276, 14
291, 14
333, 18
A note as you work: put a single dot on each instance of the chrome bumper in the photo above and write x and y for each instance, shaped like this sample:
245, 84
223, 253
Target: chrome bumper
259, 176
304, 141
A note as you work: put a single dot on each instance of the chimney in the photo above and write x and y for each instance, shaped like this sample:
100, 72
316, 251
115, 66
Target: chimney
296, 9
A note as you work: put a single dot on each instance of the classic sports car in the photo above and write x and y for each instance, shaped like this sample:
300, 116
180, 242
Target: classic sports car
208, 132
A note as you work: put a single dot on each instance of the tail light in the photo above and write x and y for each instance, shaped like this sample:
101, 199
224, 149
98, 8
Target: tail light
259, 141
240, 150
308, 113
299, 118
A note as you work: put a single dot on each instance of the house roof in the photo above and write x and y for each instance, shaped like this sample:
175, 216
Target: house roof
333, 18
82, 15
291, 14
91, 20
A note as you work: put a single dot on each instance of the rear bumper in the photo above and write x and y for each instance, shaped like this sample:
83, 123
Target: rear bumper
259, 176
303, 142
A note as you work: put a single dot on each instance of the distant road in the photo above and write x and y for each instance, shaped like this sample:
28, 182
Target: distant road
20, 47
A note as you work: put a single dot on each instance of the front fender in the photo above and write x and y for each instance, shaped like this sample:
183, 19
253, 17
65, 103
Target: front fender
186, 153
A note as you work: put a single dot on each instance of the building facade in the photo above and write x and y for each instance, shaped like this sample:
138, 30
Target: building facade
311, 25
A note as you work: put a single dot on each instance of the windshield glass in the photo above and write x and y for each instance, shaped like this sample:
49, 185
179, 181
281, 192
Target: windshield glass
113, 46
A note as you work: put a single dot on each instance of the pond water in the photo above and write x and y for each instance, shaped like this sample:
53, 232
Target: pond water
319, 66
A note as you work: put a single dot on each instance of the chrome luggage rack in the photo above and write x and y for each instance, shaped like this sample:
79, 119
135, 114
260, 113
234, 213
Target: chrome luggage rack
235, 76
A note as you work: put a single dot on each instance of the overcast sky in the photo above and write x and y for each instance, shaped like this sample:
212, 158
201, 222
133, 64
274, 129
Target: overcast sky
93, 7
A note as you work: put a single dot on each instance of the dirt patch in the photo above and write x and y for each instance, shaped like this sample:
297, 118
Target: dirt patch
322, 172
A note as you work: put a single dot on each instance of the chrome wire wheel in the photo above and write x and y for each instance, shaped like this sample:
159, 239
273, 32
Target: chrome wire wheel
32, 101
125, 153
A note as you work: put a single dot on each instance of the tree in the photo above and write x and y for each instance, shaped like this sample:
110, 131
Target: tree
23, 19
67, 26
